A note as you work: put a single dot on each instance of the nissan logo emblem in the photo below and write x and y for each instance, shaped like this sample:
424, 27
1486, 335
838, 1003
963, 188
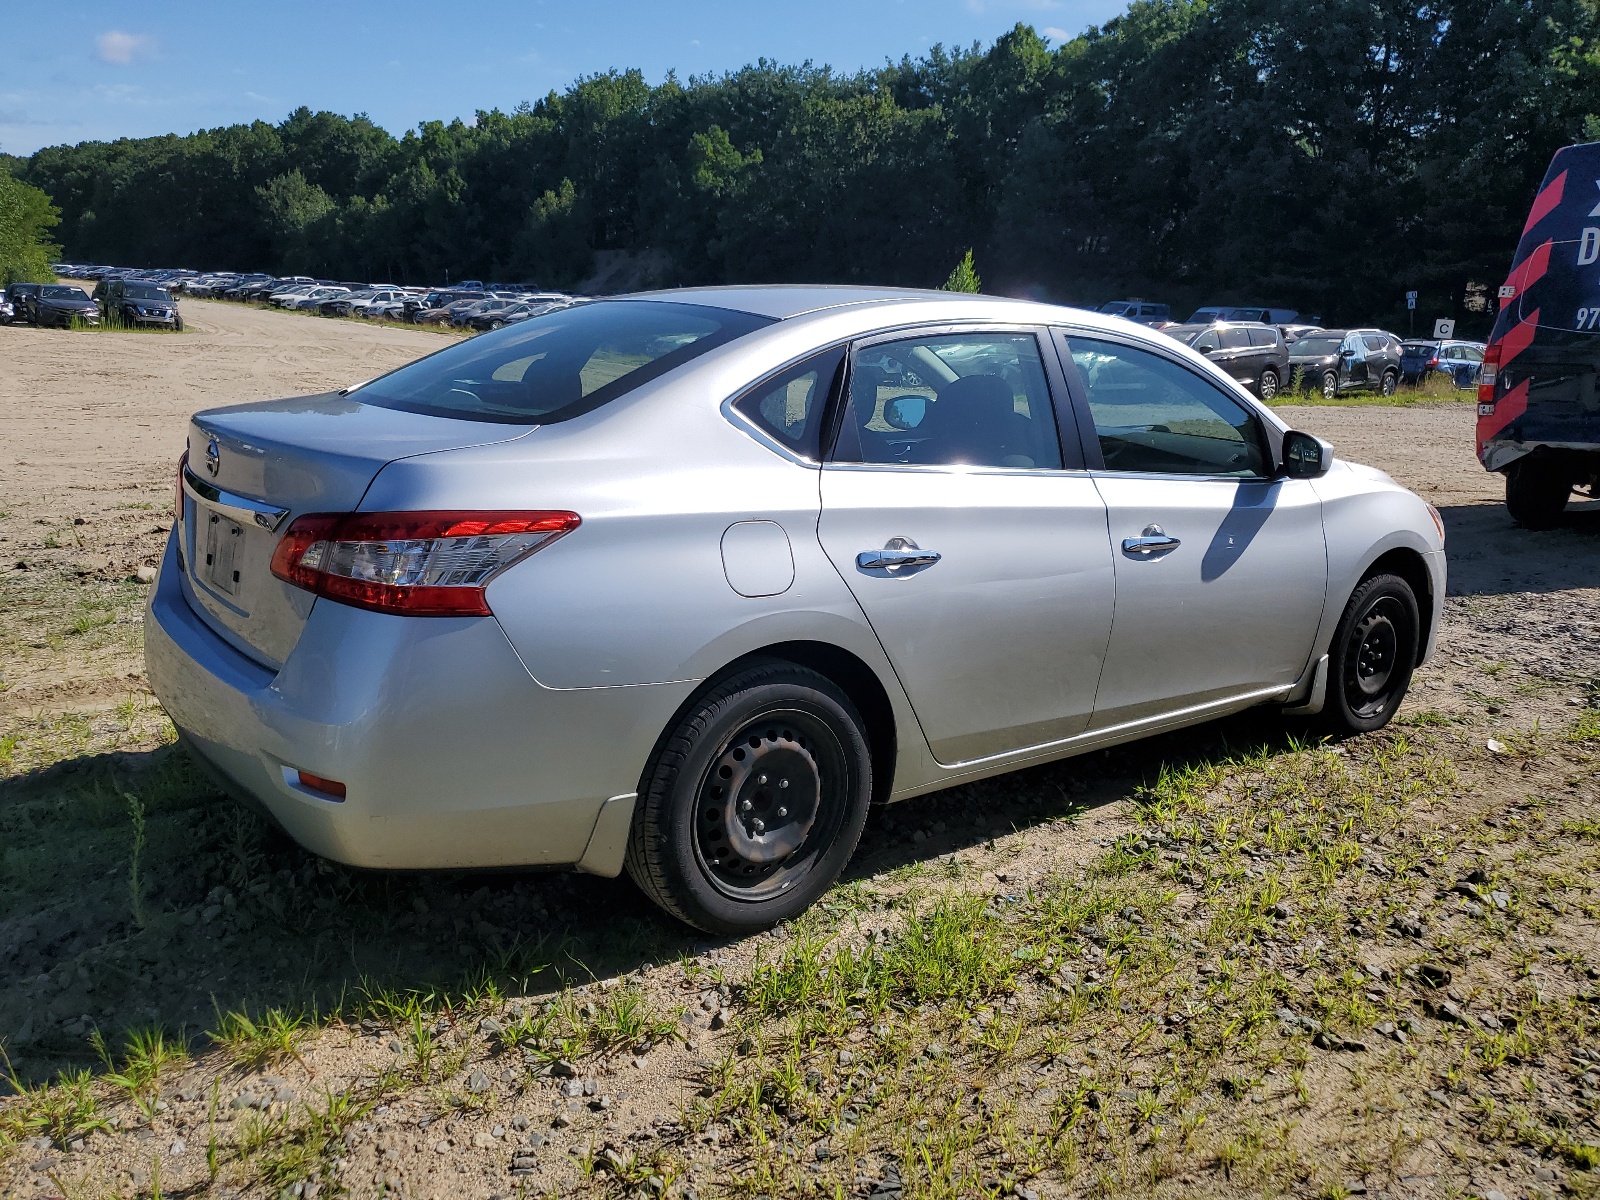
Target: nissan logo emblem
213, 458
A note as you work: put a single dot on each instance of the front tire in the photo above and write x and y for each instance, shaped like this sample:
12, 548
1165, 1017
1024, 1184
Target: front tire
1388, 384
1536, 492
1267, 385
1373, 654
1330, 385
753, 802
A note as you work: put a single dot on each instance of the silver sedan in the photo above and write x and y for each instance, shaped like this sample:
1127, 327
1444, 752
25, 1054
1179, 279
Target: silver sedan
684, 581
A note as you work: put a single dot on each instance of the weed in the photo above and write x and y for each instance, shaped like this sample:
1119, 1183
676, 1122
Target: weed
136, 815
254, 1042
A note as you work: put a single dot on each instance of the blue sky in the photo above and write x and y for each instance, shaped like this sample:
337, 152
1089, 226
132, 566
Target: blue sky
87, 70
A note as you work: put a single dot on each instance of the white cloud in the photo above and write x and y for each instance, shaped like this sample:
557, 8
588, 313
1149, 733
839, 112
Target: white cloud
1057, 35
121, 48
984, 6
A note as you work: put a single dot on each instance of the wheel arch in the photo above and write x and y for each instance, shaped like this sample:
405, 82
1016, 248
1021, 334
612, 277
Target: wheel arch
1409, 565
852, 675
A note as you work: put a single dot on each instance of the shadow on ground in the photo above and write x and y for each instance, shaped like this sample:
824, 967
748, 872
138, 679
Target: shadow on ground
1491, 555
134, 895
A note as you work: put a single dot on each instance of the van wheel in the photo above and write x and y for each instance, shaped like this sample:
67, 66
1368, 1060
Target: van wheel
1390, 379
754, 802
1267, 385
1537, 492
1373, 653
1330, 385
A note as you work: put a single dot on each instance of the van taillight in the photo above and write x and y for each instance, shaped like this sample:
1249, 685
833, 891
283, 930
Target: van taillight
1490, 372
420, 564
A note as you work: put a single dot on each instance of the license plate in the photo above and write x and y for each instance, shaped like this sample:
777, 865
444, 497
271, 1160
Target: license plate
223, 545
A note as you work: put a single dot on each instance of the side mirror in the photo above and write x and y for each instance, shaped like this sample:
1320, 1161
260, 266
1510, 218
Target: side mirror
1305, 456
1208, 351
905, 412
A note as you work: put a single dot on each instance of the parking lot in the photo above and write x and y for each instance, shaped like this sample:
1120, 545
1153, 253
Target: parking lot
1489, 768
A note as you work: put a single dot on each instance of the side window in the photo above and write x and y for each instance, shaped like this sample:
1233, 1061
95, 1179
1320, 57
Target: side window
1152, 415
1263, 337
1207, 341
974, 399
789, 405
1470, 353
1374, 343
1234, 338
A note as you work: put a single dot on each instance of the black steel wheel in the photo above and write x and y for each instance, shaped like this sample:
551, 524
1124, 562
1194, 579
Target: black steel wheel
753, 802
1373, 653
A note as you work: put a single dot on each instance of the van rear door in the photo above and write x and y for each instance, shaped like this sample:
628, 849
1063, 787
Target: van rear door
1547, 334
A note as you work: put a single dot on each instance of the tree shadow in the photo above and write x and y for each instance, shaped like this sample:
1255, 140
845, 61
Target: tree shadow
209, 909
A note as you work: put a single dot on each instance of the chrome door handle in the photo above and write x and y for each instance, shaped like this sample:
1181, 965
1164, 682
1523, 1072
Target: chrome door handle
898, 554
1154, 540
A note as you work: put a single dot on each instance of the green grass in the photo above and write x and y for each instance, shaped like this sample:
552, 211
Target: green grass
1435, 389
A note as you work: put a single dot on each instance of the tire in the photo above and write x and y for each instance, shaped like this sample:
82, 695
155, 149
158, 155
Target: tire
177, 324
1387, 384
1267, 385
718, 868
1537, 492
1330, 385
1373, 653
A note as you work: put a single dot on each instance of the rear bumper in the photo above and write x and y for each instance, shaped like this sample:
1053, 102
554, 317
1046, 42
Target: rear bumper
451, 753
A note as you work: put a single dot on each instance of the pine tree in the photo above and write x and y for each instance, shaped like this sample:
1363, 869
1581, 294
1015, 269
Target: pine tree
965, 277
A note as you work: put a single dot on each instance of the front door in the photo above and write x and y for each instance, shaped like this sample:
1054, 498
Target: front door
1221, 569
977, 551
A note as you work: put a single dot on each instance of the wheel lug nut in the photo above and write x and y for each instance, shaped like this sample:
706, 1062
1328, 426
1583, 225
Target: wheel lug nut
783, 812
758, 825
783, 783
761, 778
745, 806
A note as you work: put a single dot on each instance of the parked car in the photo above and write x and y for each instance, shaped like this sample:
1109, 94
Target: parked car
1295, 330
447, 313
1230, 312
135, 302
498, 318
22, 296
646, 605
1538, 423
59, 305
1141, 311
8, 310
1460, 360
1334, 361
1253, 353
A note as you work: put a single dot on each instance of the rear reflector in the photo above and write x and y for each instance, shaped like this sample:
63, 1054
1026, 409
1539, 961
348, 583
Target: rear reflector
421, 564
1489, 373
328, 787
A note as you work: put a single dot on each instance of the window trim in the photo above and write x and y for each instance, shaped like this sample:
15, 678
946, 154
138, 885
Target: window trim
1089, 437
1058, 394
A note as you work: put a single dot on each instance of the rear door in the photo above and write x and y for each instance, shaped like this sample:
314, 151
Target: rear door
1221, 569
961, 518
1353, 357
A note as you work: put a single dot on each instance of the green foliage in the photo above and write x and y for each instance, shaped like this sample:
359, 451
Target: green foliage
26, 218
1195, 150
964, 278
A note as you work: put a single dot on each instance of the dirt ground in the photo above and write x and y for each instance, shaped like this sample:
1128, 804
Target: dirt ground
1218, 963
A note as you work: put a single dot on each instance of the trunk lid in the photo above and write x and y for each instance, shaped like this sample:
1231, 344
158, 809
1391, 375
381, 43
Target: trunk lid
254, 468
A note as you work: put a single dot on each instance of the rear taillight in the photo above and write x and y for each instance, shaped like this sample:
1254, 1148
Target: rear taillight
1433, 362
177, 491
421, 564
1489, 373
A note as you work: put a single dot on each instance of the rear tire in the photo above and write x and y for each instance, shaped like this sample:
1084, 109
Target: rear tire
1388, 384
752, 803
1536, 492
1373, 654
1267, 385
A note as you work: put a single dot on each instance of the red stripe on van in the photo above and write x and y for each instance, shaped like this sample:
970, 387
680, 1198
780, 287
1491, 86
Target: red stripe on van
1518, 338
1506, 410
1545, 201
1533, 267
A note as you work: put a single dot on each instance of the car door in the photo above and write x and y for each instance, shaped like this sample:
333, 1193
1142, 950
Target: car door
961, 518
1353, 360
1221, 567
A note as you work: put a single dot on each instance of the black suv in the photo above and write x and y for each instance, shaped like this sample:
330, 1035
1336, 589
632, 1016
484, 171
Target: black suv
137, 302
1252, 352
1332, 361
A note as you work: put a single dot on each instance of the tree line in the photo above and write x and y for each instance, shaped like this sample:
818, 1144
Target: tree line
1325, 154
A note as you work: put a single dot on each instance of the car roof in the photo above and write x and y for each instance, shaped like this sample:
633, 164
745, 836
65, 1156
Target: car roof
783, 300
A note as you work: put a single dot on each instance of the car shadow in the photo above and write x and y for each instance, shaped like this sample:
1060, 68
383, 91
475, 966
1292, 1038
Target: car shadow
137, 896
1489, 554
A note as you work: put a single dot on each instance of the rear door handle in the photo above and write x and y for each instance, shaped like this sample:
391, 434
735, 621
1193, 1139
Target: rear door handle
1154, 540
898, 554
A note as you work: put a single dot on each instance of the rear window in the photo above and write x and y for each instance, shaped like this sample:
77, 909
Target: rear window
561, 364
